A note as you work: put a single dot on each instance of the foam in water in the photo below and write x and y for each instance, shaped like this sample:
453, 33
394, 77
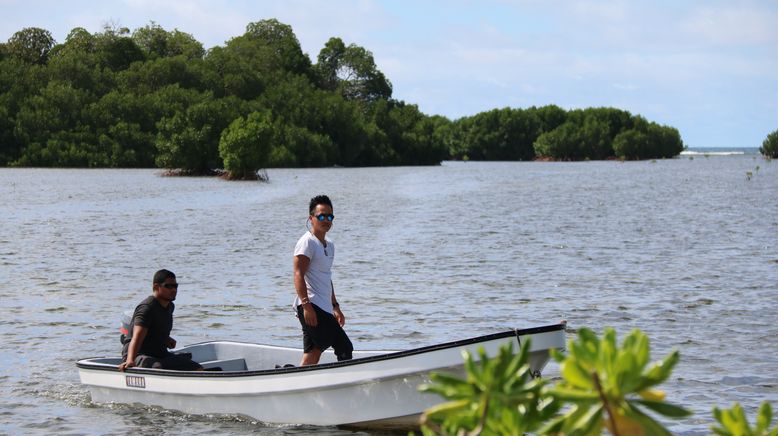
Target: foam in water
711, 153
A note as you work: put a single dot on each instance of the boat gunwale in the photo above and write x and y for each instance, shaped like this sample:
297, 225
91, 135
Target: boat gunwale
86, 364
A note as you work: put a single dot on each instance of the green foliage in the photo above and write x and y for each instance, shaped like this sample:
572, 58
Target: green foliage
601, 133
352, 71
566, 142
549, 132
666, 141
189, 139
156, 42
587, 134
243, 68
500, 134
631, 144
612, 386
8, 148
603, 385
115, 50
769, 147
402, 135
550, 116
647, 140
117, 98
498, 397
31, 45
298, 146
283, 49
303, 117
18, 82
733, 422
150, 76
343, 121
246, 144
51, 121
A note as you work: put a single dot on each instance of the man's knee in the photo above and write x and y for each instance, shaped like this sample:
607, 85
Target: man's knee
344, 350
143, 361
311, 357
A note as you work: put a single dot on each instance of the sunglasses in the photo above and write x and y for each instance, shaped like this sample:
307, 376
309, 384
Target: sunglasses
322, 217
170, 285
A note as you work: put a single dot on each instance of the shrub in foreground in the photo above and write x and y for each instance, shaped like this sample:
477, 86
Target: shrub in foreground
733, 422
603, 386
499, 396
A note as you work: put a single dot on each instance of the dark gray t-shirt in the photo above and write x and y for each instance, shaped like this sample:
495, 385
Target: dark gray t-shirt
159, 321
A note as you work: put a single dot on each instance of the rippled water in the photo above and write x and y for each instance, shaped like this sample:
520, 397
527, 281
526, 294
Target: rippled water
683, 249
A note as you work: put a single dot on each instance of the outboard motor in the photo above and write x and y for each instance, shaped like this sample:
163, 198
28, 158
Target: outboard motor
126, 327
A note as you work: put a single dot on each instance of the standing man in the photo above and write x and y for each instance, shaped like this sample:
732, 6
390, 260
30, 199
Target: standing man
316, 306
151, 326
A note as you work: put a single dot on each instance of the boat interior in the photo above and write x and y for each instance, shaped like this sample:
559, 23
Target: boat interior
237, 356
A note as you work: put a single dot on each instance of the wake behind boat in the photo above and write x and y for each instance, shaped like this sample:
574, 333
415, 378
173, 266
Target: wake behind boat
375, 389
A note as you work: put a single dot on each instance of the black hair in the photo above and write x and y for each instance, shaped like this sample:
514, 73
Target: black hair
162, 275
317, 200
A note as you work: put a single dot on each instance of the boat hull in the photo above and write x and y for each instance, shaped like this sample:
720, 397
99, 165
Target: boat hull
376, 389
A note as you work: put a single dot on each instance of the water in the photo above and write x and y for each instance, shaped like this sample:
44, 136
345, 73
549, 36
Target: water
684, 249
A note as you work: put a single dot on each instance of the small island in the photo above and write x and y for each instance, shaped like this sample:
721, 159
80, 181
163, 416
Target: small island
157, 98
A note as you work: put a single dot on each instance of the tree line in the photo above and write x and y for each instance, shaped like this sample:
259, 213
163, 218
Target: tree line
157, 98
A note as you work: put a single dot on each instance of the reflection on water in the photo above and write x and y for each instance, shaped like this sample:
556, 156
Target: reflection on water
684, 249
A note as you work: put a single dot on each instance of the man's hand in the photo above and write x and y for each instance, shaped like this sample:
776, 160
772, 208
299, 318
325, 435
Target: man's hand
170, 343
339, 316
310, 315
125, 365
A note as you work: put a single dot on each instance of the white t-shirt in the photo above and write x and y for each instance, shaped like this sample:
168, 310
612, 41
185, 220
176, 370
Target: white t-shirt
318, 278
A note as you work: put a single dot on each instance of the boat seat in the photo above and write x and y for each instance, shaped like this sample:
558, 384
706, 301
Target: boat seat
226, 364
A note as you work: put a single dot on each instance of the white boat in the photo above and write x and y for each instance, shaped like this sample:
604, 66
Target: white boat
375, 389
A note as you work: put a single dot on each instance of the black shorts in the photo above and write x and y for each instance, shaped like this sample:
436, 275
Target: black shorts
328, 333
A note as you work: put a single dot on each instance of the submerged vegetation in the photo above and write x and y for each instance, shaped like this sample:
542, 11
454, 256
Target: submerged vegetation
603, 386
153, 97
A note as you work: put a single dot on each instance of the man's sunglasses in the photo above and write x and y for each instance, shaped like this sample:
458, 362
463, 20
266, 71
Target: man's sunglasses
170, 285
322, 217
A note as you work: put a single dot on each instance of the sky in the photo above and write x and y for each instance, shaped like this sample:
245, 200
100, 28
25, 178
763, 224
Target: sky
706, 67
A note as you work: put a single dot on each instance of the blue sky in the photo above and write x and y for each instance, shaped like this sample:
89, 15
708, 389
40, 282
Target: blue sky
709, 68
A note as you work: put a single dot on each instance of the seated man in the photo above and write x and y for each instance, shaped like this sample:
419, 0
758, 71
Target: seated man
152, 323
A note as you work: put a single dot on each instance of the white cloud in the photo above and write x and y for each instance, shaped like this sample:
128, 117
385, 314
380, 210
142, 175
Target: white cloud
625, 86
733, 25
